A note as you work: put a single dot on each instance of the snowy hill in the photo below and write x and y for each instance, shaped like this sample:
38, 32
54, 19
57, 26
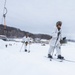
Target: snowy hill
14, 62
12, 32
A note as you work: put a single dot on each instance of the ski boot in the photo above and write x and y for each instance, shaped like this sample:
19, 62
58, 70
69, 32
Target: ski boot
60, 57
25, 50
49, 56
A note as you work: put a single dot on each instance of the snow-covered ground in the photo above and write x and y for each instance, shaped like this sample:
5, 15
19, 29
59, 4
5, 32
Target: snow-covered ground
14, 62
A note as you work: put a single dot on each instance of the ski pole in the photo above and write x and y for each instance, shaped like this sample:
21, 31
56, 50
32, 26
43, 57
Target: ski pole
53, 51
29, 48
21, 47
55, 44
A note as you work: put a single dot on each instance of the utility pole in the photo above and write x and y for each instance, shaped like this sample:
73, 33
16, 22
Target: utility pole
4, 16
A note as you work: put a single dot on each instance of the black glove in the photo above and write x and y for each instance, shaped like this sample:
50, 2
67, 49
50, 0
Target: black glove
64, 38
26, 43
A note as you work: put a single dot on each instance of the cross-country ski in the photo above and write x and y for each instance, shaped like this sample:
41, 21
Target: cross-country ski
60, 60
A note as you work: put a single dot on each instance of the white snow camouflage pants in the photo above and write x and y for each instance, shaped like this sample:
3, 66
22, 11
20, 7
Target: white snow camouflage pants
52, 49
27, 46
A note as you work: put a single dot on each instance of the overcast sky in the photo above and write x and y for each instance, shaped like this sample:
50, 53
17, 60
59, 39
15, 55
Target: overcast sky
40, 16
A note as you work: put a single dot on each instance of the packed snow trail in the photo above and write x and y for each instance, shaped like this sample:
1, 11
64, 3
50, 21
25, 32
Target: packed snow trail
14, 62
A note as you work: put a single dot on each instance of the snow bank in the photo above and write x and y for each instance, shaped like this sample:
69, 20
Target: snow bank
2, 44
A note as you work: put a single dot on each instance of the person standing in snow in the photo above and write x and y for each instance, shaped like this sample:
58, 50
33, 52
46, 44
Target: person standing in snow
26, 41
55, 42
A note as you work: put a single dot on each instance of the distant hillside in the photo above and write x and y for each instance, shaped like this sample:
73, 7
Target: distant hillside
13, 32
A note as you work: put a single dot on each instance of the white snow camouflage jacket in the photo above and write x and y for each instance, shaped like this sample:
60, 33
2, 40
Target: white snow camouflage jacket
54, 38
26, 39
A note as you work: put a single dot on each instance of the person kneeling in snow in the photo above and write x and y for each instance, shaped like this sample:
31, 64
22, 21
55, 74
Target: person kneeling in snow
26, 41
55, 42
